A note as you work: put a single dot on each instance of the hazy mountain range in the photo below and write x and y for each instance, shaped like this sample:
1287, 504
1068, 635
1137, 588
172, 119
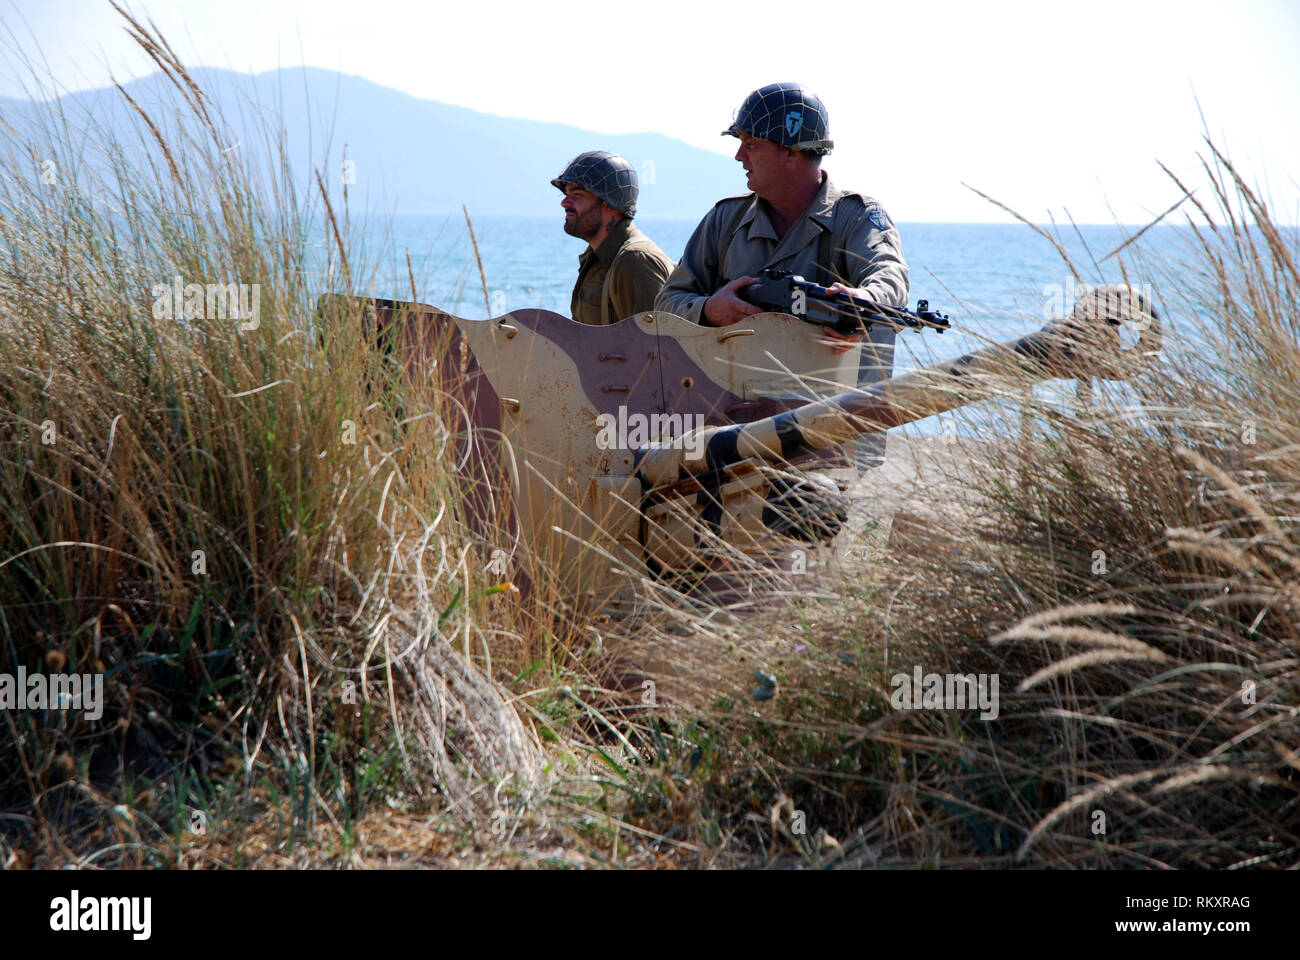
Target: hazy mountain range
419, 156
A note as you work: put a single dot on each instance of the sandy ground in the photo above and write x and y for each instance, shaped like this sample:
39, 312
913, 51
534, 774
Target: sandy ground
922, 477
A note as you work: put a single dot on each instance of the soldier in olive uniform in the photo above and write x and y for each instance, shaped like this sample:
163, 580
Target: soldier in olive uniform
622, 269
794, 219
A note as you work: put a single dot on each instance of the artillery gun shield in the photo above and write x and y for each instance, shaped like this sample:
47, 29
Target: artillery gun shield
574, 402
580, 400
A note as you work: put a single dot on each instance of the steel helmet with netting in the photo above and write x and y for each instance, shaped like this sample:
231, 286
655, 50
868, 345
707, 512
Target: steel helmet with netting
785, 113
607, 175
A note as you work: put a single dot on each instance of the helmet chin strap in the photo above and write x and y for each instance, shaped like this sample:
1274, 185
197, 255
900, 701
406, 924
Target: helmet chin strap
820, 146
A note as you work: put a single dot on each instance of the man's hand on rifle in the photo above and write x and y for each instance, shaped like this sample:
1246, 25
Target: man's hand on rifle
846, 341
725, 307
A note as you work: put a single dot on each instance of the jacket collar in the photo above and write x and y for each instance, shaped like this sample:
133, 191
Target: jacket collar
609, 247
822, 209
820, 212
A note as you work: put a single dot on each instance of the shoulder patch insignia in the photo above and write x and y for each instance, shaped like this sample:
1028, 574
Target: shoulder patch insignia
879, 220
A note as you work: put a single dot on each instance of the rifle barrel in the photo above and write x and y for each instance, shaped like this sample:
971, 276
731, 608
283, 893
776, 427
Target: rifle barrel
855, 308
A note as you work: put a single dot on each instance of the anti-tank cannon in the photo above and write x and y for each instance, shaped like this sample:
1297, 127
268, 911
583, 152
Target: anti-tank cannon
637, 450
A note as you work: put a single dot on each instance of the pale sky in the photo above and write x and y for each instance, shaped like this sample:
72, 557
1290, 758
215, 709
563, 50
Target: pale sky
1052, 108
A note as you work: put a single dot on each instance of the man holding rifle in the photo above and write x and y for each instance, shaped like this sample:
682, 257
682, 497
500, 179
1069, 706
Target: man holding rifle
796, 220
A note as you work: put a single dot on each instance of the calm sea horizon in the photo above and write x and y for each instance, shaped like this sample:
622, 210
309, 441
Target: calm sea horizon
995, 281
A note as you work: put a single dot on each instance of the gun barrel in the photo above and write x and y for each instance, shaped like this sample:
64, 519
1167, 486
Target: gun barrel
1086, 344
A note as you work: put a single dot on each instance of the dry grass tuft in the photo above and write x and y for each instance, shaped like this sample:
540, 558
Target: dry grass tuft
1125, 566
223, 513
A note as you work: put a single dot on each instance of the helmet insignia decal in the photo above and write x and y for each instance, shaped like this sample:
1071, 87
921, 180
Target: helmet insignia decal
785, 114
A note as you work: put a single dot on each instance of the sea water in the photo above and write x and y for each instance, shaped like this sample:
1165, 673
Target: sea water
995, 281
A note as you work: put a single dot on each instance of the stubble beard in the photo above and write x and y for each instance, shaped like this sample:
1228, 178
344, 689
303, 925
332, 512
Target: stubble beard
583, 226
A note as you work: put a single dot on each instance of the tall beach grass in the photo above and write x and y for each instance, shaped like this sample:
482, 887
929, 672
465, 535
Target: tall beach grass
226, 514
254, 528
1125, 566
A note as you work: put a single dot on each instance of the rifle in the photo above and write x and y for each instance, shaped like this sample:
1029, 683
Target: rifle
782, 291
